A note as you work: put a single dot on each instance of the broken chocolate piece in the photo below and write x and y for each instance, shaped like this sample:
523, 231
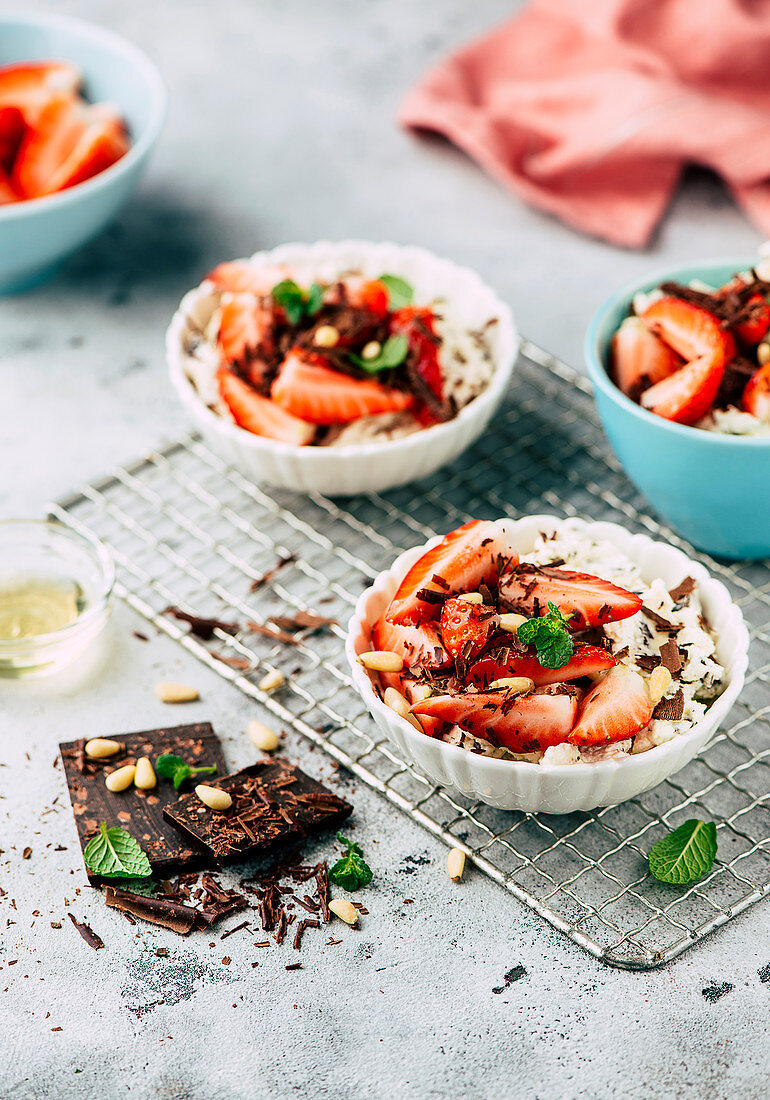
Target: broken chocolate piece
273, 803
270, 573
302, 620
201, 627
660, 622
684, 589
165, 911
648, 661
670, 657
87, 933
671, 709
140, 812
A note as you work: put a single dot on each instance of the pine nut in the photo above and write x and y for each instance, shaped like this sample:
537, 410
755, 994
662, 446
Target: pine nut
326, 336
381, 660
511, 621
170, 692
520, 684
263, 737
455, 864
763, 353
345, 910
471, 597
396, 701
658, 684
213, 797
271, 681
371, 350
121, 779
145, 776
99, 748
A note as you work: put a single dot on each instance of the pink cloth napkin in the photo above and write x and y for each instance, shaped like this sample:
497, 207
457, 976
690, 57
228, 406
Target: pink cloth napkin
590, 109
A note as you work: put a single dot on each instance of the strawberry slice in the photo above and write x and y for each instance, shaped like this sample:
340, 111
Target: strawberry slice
314, 392
246, 326
756, 395
524, 723
368, 294
466, 627
688, 395
640, 358
12, 127
462, 561
241, 277
615, 709
29, 85
751, 330
69, 143
416, 645
418, 326
584, 600
587, 660
7, 193
259, 414
691, 331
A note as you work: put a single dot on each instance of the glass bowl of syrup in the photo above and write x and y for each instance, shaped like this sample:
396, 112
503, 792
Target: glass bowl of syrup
55, 595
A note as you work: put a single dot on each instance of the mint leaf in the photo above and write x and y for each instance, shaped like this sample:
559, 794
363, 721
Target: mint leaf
177, 770
315, 299
685, 855
550, 636
400, 293
295, 302
351, 872
113, 853
392, 354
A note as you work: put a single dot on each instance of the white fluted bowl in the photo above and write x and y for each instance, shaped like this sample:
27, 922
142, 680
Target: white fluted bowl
364, 467
559, 788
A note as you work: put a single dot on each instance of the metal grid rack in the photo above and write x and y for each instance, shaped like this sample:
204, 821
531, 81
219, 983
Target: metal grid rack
186, 530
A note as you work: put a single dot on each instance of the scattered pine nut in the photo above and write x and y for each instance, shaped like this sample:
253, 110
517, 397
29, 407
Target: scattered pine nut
145, 776
213, 797
326, 336
470, 597
120, 779
455, 864
396, 701
263, 737
99, 748
763, 353
519, 684
511, 621
381, 660
271, 681
659, 683
170, 692
371, 350
345, 910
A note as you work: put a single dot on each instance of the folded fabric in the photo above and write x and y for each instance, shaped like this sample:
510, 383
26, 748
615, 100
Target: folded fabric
590, 111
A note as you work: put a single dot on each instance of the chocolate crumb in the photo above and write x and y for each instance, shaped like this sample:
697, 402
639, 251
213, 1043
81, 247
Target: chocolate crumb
87, 933
162, 952
26, 853
293, 966
226, 960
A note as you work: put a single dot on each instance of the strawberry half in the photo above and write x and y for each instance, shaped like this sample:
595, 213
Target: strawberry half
615, 709
320, 395
463, 560
12, 127
584, 600
524, 723
688, 395
466, 627
259, 414
245, 326
690, 330
587, 660
640, 358
30, 85
756, 395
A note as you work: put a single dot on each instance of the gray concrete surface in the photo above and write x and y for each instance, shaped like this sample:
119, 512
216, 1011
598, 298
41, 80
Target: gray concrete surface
281, 127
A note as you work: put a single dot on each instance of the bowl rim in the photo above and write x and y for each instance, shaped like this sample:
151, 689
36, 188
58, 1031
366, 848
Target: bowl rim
494, 392
601, 380
139, 148
365, 688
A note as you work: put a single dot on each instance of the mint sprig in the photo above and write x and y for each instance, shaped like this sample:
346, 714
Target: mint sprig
392, 354
178, 770
351, 872
685, 855
400, 292
296, 302
113, 853
550, 636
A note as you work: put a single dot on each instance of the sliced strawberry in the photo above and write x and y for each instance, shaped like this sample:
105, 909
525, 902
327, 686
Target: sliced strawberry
418, 326
69, 143
12, 128
587, 660
368, 294
751, 330
640, 358
615, 709
7, 193
308, 389
418, 693
462, 561
756, 395
259, 414
241, 277
466, 627
690, 330
584, 600
246, 332
688, 395
525, 723
416, 645
30, 85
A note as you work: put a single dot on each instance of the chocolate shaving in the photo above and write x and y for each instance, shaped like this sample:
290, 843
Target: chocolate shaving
280, 934
303, 924
293, 966
670, 709
428, 595
238, 928
87, 933
661, 623
648, 661
670, 657
240, 663
258, 582
165, 911
302, 620
201, 627
322, 889
270, 632
684, 589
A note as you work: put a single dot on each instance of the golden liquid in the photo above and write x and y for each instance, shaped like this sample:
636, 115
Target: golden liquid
34, 604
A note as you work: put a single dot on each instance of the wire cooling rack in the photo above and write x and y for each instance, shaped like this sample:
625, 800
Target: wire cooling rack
186, 530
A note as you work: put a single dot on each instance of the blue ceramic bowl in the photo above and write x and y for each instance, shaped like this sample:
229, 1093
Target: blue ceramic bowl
711, 488
37, 235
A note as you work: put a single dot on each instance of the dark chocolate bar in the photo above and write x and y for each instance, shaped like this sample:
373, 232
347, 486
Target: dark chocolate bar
273, 803
140, 812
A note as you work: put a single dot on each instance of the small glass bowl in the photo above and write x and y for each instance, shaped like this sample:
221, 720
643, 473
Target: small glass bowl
51, 551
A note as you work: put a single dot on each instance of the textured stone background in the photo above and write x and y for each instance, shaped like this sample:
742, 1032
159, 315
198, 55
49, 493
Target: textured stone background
281, 127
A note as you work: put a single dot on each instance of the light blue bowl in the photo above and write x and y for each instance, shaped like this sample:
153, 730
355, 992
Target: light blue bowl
714, 489
36, 236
